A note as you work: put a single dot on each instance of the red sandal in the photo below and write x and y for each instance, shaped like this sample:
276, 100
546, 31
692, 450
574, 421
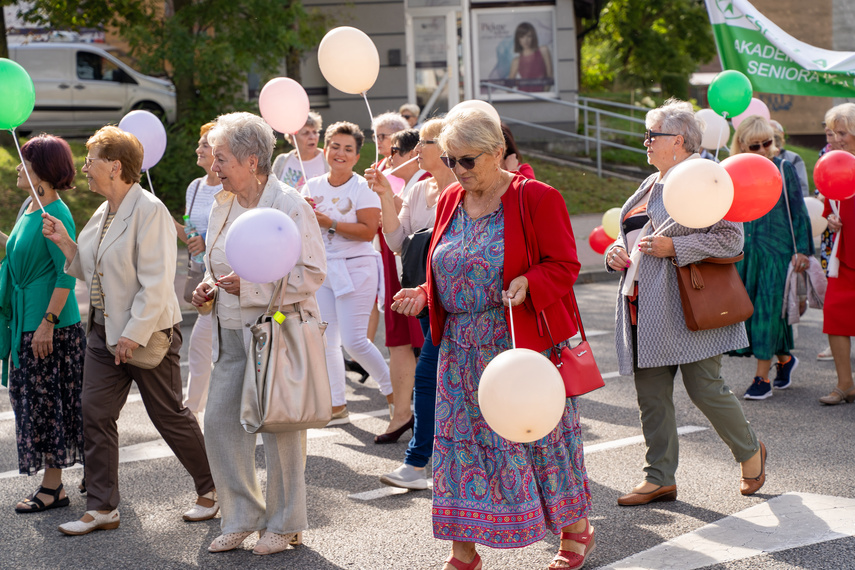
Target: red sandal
460, 565
575, 560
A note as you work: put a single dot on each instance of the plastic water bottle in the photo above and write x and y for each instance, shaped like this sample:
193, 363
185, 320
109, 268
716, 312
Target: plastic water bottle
191, 232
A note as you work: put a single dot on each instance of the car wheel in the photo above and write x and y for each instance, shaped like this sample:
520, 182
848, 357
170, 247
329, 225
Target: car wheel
152, 108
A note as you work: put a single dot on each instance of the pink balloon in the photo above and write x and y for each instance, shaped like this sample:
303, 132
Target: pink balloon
150, 132
284, 104
263, 245
397, 183
755, 107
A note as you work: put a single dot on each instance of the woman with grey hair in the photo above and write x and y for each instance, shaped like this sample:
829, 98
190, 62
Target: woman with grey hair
651, 335
499, 240
306, 160
242, 144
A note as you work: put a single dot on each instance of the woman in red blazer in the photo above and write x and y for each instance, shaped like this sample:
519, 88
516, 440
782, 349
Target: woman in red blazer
488, 490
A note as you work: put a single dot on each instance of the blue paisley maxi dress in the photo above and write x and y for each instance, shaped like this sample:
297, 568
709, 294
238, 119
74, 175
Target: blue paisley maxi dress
487, 489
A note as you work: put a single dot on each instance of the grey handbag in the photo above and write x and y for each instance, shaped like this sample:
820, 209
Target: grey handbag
285, 386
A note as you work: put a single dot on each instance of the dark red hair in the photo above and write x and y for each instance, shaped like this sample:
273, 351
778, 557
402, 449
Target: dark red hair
51, 160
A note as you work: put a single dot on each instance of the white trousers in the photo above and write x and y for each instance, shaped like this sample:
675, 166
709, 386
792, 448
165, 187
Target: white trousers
199, 355
347, 316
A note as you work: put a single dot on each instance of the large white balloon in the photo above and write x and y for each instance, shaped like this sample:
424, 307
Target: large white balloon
150, 132
697, 193
815, 209
818, 225
349, 60
263, 245
521, 395
480, 105
716, 129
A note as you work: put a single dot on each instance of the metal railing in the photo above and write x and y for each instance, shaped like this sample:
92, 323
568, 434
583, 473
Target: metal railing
585, 106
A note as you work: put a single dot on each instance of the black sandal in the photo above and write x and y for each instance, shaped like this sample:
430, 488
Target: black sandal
37, 505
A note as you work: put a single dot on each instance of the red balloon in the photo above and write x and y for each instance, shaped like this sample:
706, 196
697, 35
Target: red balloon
756, 186
834, 175
599, 240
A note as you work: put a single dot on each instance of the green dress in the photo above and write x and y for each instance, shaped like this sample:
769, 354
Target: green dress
768, 251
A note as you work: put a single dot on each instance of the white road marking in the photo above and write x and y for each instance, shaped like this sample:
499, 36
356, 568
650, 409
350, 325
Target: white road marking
627, 441
789, 521
378, 493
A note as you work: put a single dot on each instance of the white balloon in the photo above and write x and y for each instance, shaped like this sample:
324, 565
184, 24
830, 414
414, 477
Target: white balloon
349, 60
814, 207
818, 225
521, 395
716, 129
480, 105
150, 132
263, 245
697, 193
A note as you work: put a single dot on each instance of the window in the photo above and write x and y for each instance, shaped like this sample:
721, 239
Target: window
92, 66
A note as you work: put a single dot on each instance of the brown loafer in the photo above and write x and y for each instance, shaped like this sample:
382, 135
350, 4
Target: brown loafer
749, 486
662, 493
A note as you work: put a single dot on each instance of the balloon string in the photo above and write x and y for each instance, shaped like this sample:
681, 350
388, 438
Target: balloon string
400, 166
151, 187
719, 136
302, 167
26, 171
513, 336
661, 230
371, 115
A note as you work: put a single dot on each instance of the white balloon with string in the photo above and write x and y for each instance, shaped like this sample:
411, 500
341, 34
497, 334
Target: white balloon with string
521, 393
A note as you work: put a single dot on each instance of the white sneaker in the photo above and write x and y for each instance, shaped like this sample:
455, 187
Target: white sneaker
339, 418
99, 521
825, 354
200, 513
406, 477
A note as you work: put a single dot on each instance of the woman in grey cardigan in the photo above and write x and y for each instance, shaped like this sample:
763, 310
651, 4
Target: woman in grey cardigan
651, 334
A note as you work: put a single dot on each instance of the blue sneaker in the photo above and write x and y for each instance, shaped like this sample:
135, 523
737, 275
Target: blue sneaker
759, 390
783, 378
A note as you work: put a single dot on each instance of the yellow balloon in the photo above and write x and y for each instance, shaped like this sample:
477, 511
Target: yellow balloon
521, 395
611, 222
349, 60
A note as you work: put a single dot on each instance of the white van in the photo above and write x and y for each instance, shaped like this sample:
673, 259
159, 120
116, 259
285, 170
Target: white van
82, 87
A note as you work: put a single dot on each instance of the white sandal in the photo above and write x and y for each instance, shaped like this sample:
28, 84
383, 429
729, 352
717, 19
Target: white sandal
271, 543
230, 541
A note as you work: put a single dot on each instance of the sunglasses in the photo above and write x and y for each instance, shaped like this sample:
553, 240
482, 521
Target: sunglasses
467, 162
756, 146
649, 135
396, 150
423, 142
408, 117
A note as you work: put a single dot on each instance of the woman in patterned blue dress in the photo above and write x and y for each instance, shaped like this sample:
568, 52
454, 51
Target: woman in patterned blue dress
488, 490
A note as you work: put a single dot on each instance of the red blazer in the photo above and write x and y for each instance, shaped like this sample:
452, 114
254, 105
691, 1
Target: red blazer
553, 251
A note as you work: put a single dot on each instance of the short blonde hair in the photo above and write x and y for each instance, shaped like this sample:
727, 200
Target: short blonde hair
246, 135
431, 129
754, 127
471, 129
411, 107
841, 117
678, 117
116, 144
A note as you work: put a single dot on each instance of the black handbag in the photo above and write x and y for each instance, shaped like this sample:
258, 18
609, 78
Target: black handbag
414, 255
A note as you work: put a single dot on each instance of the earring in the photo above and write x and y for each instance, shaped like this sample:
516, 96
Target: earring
675, 156
111, 176
40, 191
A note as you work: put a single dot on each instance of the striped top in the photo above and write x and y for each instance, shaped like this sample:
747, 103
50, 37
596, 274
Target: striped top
96, 296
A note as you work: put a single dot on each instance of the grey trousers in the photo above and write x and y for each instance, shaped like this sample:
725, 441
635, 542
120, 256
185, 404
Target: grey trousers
706, 388
231, 453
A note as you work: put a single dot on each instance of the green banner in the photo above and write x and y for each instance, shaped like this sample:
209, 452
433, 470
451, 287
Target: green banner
774, 61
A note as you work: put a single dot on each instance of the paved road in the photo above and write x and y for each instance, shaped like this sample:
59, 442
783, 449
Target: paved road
792, 523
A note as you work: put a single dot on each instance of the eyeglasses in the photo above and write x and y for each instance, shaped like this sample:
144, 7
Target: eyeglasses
408, 117
467, 162
89, 160
381, 136
756, 146
396, 150
423, 142
649, 135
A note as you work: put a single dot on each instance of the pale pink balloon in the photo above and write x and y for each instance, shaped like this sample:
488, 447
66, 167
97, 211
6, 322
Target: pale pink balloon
284, 105
397, 183
756, 107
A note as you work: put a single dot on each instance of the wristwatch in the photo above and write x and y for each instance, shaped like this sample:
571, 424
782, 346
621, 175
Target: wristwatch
51, 318
331, 231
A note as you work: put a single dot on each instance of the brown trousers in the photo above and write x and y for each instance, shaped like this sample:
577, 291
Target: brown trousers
105, 390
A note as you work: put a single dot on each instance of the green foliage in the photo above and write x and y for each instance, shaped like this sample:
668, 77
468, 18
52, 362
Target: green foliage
206, 47
639, 41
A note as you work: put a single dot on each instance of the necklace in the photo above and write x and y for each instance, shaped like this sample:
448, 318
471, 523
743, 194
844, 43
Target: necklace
489, 200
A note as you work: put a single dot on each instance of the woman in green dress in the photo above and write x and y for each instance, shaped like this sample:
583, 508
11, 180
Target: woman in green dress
40, 330
769, 245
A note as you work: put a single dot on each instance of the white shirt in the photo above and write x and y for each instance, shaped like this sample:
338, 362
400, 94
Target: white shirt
341, 203
228, 305
203, 204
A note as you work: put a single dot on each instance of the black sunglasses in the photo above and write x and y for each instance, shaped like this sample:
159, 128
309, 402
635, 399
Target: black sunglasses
756, 146
395, 150
650, 135
408, 117
467, 162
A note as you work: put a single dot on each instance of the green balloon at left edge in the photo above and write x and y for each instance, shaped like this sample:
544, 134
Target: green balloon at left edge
17, 93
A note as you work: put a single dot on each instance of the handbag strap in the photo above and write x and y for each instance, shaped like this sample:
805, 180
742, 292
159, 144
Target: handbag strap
195, 191
528, 256
787, 203
277, 294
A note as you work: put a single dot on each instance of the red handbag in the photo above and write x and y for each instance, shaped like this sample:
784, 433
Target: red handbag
576, 365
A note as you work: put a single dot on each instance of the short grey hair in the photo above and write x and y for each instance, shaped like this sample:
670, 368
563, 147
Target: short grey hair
392, 120
471, 128
678, 117
314, 120
411, 107
246, 135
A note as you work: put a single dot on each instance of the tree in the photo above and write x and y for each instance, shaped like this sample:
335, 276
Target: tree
640, 42
206, 47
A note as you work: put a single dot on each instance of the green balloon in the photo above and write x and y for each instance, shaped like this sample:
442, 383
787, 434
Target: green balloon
730, 93
17, 93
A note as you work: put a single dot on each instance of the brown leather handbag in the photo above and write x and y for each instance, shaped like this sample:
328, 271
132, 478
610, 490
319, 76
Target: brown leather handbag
712, 293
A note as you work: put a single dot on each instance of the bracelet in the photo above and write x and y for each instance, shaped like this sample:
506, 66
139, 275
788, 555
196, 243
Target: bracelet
422, 289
